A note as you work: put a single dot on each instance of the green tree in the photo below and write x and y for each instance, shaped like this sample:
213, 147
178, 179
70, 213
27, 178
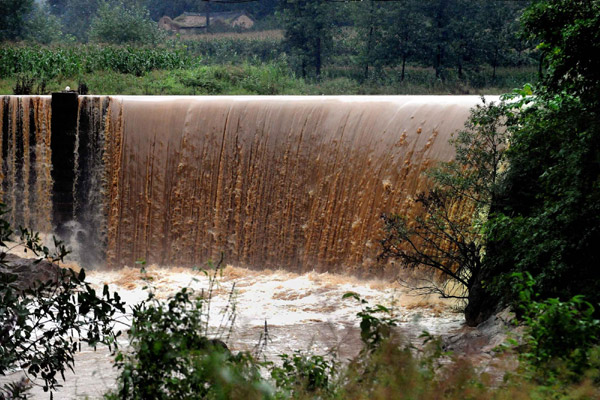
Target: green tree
547, 218
42, 26
13, 14
501, 32
120, 22
76, 16
404, 33
308, 28
439, 12
446, 235
464, 33
369, 21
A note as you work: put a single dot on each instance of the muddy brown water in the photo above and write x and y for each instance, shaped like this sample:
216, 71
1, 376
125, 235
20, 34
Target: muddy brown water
296, 183
302, 311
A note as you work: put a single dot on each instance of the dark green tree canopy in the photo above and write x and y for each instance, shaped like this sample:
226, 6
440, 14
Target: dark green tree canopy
309, 28
547, 218
13, 14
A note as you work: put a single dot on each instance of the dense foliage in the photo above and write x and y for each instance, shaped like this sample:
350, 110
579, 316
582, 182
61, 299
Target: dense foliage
309, 28
12, 18
547, 218
375, 43
121, 22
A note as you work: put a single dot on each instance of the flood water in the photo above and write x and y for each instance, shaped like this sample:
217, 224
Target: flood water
302, 312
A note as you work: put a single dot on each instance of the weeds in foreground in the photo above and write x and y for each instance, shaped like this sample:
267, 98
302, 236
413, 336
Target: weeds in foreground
173, 355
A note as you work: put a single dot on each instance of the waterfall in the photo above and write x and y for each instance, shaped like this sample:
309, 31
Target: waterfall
280, 181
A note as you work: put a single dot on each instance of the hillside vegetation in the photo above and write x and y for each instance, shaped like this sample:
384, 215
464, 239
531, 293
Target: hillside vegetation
369, 47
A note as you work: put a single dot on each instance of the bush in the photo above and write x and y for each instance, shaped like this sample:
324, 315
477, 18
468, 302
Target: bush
557, 330
120, 23
172, 356
302, 373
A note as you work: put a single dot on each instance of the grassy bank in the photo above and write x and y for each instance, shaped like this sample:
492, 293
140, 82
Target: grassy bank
222, 64
247, 79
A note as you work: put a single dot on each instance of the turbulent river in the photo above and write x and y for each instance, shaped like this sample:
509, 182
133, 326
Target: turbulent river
301, 311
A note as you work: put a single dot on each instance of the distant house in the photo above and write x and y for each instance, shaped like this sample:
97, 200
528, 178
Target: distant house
190, 23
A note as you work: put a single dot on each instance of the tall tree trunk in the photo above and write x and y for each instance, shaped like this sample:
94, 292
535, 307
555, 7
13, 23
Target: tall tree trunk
541, 66
318, 58
437, 61
208, 16
403, 67
369, 41
368, 56
440, 18
495, 63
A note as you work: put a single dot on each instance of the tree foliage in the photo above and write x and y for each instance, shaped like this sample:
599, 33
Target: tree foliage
547, 218
76, 16
42, 26
120, 22
308, 32
13, 14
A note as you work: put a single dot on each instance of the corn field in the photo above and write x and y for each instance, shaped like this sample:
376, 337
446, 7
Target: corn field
50, 62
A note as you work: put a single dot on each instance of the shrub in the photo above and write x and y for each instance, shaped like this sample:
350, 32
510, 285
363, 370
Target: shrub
557, 330
172, 356
301, 373
120, 22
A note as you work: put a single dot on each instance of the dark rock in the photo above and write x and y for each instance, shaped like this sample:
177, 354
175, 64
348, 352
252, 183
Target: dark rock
29, 271
214, 344
485, 337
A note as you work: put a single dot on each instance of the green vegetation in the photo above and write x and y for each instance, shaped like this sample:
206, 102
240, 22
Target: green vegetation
527, 169
170, 358
170, 354
72, 62
546, 220
43, 324
12, 18
122, 22
112, 69
173, 353
533, 242
447, 235
367, 47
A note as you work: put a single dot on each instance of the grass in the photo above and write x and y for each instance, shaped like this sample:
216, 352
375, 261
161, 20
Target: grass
226, 63
271, 78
